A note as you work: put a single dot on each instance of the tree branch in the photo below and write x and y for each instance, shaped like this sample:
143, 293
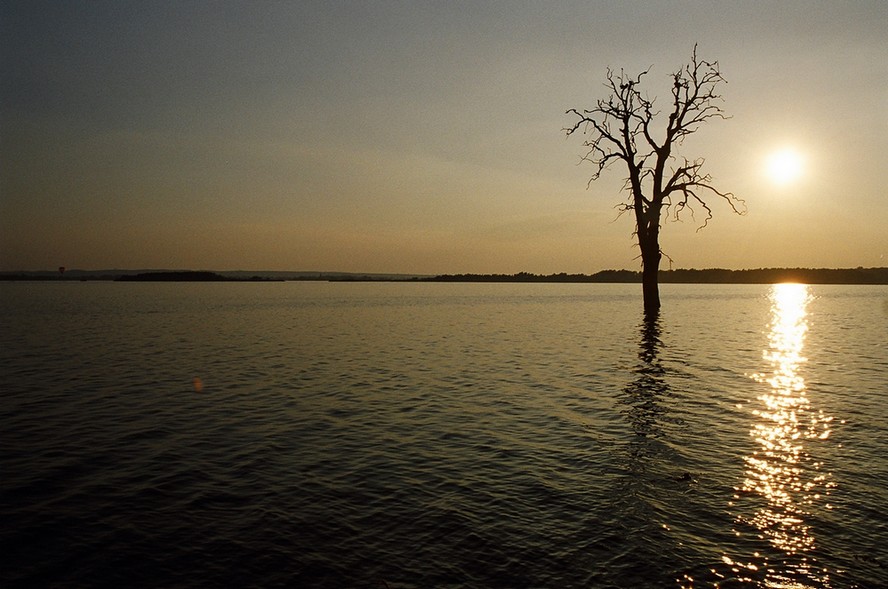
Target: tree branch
687, 181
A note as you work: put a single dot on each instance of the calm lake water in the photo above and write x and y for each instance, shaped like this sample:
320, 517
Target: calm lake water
419, 435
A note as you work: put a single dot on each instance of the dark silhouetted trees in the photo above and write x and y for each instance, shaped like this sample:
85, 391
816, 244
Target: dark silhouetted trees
627, 127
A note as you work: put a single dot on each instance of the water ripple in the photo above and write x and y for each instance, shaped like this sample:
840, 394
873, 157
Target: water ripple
410, 435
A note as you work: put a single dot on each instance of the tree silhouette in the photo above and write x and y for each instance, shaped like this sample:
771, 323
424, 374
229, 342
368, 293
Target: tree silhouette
623, 127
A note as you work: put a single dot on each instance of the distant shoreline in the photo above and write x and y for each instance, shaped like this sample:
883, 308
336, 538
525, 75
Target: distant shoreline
679, 276
189, 276
693, 276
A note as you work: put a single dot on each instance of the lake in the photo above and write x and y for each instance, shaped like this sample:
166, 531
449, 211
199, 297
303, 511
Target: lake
427, 435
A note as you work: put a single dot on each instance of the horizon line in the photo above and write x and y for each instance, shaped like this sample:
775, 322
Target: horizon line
65, 270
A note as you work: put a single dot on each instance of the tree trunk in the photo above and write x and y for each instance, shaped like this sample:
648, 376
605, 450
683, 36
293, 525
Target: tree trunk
650, 264
650, 289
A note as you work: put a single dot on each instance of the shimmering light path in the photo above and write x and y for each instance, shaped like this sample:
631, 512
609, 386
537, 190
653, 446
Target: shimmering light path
782, 479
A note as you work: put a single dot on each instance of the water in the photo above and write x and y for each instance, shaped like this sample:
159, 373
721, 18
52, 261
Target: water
409, 435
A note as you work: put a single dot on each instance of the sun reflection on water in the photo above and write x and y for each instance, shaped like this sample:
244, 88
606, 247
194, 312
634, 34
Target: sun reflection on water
782, 480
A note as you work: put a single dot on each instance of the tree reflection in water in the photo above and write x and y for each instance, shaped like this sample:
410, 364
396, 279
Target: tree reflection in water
783, 484
644, 394
654, 475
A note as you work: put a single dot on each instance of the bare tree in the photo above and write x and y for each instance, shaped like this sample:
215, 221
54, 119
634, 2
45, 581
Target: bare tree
623, 127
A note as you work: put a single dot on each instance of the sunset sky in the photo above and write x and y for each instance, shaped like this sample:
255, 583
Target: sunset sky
423, 137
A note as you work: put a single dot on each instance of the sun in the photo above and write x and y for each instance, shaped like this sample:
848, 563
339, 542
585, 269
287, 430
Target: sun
785, 166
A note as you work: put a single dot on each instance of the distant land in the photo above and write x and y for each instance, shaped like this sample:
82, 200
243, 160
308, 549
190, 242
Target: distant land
858, 275
692, 276
189, 276
166, 275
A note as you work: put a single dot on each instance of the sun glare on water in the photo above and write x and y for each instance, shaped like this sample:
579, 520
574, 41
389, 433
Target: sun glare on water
785, 166
786, 489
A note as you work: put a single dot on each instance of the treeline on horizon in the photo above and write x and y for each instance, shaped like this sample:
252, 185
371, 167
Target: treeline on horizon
692, 276
188, 276
159, 276
858, 275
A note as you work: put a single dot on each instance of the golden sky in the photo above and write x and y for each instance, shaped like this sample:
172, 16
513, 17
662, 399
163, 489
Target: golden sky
423, 137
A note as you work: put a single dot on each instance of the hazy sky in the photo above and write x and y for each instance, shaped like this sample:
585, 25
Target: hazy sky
422, 137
